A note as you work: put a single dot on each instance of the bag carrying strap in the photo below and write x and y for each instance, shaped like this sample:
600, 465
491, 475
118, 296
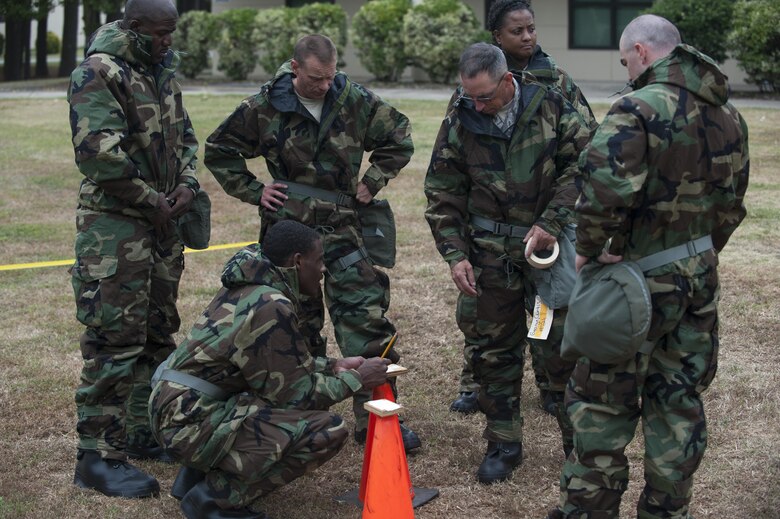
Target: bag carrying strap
193, 382
335, 197
348, 260
500, 228
686, 250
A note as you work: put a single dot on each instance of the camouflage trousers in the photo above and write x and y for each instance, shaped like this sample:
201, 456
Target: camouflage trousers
663, 389
357, 298
494, 326
125, 283
267, 450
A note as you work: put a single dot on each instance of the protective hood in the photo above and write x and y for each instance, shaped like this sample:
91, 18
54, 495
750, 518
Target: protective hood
687, 68
250, 267
130, 46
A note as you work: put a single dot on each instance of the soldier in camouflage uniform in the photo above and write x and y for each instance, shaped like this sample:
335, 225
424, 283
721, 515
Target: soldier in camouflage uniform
251, 412
511, 22
136, 148
669, 164
313, 125
506, 154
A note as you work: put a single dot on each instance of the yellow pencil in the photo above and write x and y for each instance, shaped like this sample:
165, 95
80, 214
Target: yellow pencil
389, 345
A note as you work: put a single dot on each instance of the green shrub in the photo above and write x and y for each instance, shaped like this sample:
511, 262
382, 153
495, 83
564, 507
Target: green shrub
278, 28
327, 19
236, 44
53, 44
755, 41
274, 36
435, 34
696, 19
195, 35
377, 33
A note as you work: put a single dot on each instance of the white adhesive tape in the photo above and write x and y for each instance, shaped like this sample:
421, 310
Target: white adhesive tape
544, 263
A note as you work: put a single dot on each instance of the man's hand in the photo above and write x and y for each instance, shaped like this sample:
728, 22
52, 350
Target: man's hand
538, 239
180, 201
160, 218
463, 276
363, 195
373, 372
273, 196
604, 257
347, 363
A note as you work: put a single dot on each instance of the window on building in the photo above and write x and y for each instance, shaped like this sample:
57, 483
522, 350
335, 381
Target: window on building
597, 24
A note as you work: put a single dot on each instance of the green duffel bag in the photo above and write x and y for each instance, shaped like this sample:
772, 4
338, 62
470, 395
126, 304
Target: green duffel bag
194, 226
378, 228
609, 315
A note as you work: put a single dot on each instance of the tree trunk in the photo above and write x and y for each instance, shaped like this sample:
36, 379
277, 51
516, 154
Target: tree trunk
12, 69
91, 21
70, 29
41, 47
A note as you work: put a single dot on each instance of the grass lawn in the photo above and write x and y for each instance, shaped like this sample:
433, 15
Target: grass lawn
40, 359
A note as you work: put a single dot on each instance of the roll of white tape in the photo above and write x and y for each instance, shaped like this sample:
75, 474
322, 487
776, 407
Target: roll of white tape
544, 263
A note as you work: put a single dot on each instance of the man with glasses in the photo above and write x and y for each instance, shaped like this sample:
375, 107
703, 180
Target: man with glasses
500, 186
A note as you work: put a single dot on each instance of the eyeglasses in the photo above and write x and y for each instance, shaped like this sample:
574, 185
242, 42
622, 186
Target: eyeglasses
487, 98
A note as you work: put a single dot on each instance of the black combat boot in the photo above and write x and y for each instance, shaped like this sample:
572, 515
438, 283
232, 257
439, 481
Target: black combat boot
547, 402
187, 478
499, 462
113, 477
199, 503
466, 403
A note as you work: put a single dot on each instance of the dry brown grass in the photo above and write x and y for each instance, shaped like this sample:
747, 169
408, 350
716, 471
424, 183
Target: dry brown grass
40, 362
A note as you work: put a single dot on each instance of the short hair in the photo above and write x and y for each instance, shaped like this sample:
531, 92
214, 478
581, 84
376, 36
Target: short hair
285, 239
317, 45
150, 10
482, 57
499, 10
657, 33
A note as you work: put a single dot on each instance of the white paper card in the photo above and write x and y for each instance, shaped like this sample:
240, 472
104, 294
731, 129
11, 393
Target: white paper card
541, 322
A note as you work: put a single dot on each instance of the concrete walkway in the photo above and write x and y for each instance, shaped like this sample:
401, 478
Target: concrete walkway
595, 92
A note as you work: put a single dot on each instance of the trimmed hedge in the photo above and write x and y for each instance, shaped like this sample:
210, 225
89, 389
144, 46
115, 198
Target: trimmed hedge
377, 33
195, 32
236, 45
755, 41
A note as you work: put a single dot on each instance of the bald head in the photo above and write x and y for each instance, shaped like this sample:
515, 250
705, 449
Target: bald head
658, 34
646, 39
153, 18
150, 11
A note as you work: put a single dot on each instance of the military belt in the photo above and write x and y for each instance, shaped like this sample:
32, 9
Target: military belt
500, 228
198, 384
686, 250
335, 197
348, 260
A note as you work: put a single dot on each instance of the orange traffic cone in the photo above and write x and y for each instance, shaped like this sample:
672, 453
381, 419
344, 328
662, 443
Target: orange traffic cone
387, 493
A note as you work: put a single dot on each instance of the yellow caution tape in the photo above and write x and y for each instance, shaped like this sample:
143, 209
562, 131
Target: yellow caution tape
63, 263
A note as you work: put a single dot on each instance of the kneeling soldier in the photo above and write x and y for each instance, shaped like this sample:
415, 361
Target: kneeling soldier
241, 403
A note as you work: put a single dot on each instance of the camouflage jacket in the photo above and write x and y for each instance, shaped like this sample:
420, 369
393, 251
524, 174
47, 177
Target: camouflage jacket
132, 138
327, 155
247, 343
525, 179
668, 164
544, 69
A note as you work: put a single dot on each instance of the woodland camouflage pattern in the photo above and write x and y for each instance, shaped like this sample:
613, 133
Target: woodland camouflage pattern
524, 180
326, 155
133, 143
275, 425
542, 68
668, 164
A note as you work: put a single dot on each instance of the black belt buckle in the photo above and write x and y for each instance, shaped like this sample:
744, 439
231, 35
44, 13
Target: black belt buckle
345, 200
503, 229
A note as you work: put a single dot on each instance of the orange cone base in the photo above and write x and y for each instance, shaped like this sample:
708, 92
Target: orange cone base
421, 497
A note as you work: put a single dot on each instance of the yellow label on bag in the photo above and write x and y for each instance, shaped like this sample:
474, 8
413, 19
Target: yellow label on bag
541, 322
